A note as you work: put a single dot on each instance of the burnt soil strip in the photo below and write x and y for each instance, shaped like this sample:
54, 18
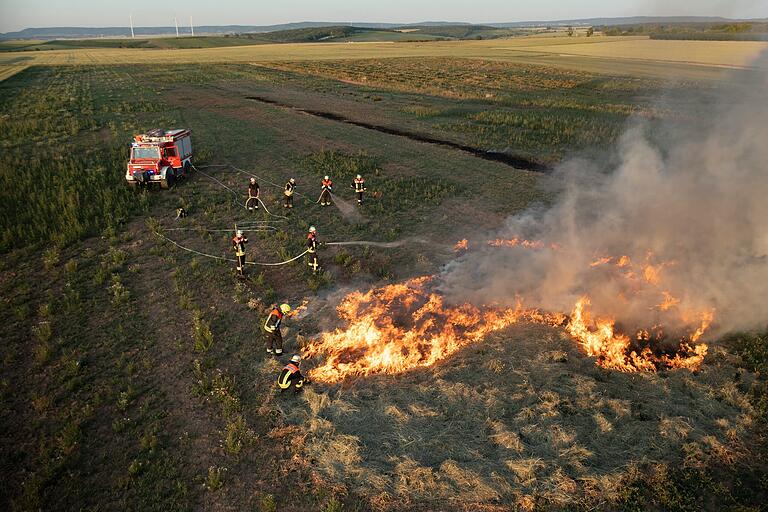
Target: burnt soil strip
511, 160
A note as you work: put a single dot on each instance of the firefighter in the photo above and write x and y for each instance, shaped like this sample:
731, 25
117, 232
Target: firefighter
288, 193
291, 375
253, 195
238, 245
272, 326
312, 245
359, 186
327, 188
180, 213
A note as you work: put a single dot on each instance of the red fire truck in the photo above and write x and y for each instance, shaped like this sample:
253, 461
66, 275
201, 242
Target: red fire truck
160, 156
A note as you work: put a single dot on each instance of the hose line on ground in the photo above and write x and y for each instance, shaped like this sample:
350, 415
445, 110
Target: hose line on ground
222, 258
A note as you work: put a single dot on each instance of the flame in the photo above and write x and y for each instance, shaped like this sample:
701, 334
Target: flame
461, 245
299, 311
408, 325
403, 326
668, 302
513, 242
613, 350
600, 261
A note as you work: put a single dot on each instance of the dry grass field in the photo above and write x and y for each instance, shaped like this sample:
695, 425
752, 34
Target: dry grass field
600, 54
133, 374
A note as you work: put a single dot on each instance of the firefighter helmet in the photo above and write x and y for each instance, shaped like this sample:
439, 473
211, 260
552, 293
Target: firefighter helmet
285, 308
359, 177
326, 178
295, 358
312, 229
253, 180
239, 232
292, 180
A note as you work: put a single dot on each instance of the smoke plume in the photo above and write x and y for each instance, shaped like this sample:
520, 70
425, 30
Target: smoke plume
685, 203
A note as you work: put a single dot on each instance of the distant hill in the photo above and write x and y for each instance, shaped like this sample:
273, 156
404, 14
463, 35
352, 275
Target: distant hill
446, 29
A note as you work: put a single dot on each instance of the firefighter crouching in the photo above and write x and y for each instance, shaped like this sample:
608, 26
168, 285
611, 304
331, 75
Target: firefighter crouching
359, 186
288, 193
238, 245
253, 195
272, 327
312, 245
291, 375
325, 194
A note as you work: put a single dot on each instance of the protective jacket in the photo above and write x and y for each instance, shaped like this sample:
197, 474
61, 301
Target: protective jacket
238, 245
311, 243
359, 185
253, 190
289, 189
274, 320
290, 375
327, 184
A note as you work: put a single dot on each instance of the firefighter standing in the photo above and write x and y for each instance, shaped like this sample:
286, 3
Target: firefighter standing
327, 188
253, 195
288, 193
312, 245
272, 327
238, 245
359, 186
291, 375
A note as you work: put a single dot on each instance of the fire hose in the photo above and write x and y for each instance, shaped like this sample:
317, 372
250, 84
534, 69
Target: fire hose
222, 258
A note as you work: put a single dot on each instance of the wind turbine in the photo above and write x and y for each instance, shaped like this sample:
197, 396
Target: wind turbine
130, 19
175, 22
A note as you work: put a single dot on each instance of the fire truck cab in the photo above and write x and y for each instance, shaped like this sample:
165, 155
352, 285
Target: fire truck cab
160, 156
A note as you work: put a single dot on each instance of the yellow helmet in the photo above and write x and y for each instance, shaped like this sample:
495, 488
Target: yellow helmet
285, 308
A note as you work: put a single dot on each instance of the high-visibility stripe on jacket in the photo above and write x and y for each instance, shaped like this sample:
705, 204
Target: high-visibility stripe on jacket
238, 244
273, 320
289, 189
311, 243
327, 184
284, 380
359, 185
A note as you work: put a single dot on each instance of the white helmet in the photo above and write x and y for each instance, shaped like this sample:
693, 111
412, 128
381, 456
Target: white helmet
292, 180
253, 180
326, 178
312, 229
295, 358
239, 232
359, 177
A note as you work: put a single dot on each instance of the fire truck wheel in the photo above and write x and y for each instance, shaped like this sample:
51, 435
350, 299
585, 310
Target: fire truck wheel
167, 182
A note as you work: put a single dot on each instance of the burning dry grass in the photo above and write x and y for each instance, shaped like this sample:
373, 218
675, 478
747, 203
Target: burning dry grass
542, 425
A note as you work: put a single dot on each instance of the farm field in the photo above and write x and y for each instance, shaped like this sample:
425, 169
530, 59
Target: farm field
701, 59
135, 371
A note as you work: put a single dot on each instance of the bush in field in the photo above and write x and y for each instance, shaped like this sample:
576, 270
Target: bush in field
339, 165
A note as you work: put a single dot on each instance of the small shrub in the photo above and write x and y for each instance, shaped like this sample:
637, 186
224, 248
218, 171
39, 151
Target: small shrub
333, 505
201, 331
238, 436
215, 479
268, 503
120, 294
51, 258
43, 332
71, 266
135, 467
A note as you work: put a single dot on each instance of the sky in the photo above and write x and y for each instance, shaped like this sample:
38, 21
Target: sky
19, 14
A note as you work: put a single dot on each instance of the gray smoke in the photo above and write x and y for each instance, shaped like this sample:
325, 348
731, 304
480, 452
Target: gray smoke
690, 195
